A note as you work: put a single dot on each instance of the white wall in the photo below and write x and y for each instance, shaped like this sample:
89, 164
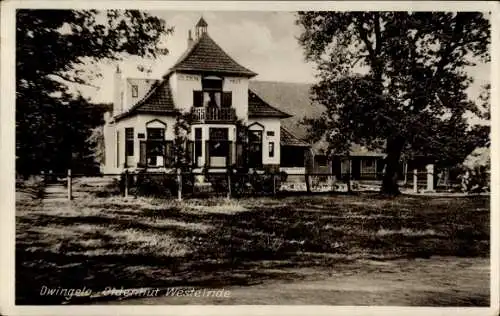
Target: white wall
182, 86
109, 148
138, 122
239, 88
143, 86
270, 124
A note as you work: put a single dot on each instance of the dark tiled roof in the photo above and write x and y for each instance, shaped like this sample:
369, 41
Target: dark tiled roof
158, 100
257, 107
295, 98
205, 55
288, 139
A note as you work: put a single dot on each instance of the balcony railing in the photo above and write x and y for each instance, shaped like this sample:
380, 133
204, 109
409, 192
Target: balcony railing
203, 114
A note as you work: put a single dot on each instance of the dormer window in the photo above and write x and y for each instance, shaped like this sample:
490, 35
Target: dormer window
135, 91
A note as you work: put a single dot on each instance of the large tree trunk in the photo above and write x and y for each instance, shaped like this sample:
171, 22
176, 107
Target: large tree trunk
390, 177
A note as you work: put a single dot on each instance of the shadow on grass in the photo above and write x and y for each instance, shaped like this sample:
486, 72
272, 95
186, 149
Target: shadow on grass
246, 247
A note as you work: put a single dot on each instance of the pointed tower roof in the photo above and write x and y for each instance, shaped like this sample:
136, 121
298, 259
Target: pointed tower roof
201, 22
205, 55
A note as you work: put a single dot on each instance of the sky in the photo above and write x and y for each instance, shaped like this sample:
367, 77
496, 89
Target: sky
263, 41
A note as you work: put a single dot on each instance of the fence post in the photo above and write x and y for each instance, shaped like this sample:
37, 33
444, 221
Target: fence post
179, 184
126, 183
274, 184
70, 195
308, 185
415, 181
430, 177
228, 183
42, 173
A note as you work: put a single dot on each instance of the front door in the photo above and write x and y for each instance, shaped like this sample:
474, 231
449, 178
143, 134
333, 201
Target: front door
255, 149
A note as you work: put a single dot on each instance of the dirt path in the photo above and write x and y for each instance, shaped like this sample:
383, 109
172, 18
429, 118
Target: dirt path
439, 281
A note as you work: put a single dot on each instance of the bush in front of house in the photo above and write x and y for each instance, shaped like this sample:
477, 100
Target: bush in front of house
33, 185
476, 180
149, 184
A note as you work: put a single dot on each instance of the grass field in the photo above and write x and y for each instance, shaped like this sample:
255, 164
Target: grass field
250, 245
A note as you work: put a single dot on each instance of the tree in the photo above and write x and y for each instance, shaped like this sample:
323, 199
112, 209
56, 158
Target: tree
52, 47
395, 77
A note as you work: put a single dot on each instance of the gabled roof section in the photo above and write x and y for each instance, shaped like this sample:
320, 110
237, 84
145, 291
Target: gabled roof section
288, 139
158, 100
206, 56
257, 107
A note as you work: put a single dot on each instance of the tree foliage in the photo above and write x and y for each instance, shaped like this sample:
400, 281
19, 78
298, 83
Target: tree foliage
396, 79
52, 47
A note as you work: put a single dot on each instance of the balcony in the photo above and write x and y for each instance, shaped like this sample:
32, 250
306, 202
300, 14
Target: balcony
212, 115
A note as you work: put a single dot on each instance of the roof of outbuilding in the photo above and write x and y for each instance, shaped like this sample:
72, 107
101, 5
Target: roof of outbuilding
257, 107
288, 139
206, 55
157, 100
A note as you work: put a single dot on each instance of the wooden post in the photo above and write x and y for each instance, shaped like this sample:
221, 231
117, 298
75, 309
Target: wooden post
42, 173
349, 160
430, 177
179, 185
308, 185
274, 184
135, 184
405, 171
228, 183
415, 181
126, 183
70, 193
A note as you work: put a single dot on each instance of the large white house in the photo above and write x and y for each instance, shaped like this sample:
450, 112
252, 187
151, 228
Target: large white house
214, 88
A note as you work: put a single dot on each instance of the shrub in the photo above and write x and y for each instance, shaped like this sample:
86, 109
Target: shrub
476, 180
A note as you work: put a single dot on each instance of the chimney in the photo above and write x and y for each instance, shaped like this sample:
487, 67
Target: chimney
117, 91
190, 40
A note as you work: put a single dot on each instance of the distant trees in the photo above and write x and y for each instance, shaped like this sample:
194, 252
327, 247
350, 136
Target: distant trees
398, 80
51, 47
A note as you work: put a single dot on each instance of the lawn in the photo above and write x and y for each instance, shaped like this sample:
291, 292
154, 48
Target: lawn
256, 245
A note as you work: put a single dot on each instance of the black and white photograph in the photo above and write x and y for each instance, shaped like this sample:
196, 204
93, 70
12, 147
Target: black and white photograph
265, 156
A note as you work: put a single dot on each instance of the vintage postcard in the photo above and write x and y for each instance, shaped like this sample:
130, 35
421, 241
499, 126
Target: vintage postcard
254, 157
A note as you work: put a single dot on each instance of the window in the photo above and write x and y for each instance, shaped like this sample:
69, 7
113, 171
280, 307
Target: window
156, 150
219, 147
129, 141
197, 99
219, 134
155, 133
271, 149
227, 99
212, 99
270, 133
135, 91
321, 160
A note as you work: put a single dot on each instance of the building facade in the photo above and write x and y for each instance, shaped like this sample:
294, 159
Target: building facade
210, 85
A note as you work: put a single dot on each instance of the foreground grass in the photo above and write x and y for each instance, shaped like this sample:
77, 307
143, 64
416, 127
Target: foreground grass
102, 242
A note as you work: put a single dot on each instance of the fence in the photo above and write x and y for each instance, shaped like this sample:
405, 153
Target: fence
177, 184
